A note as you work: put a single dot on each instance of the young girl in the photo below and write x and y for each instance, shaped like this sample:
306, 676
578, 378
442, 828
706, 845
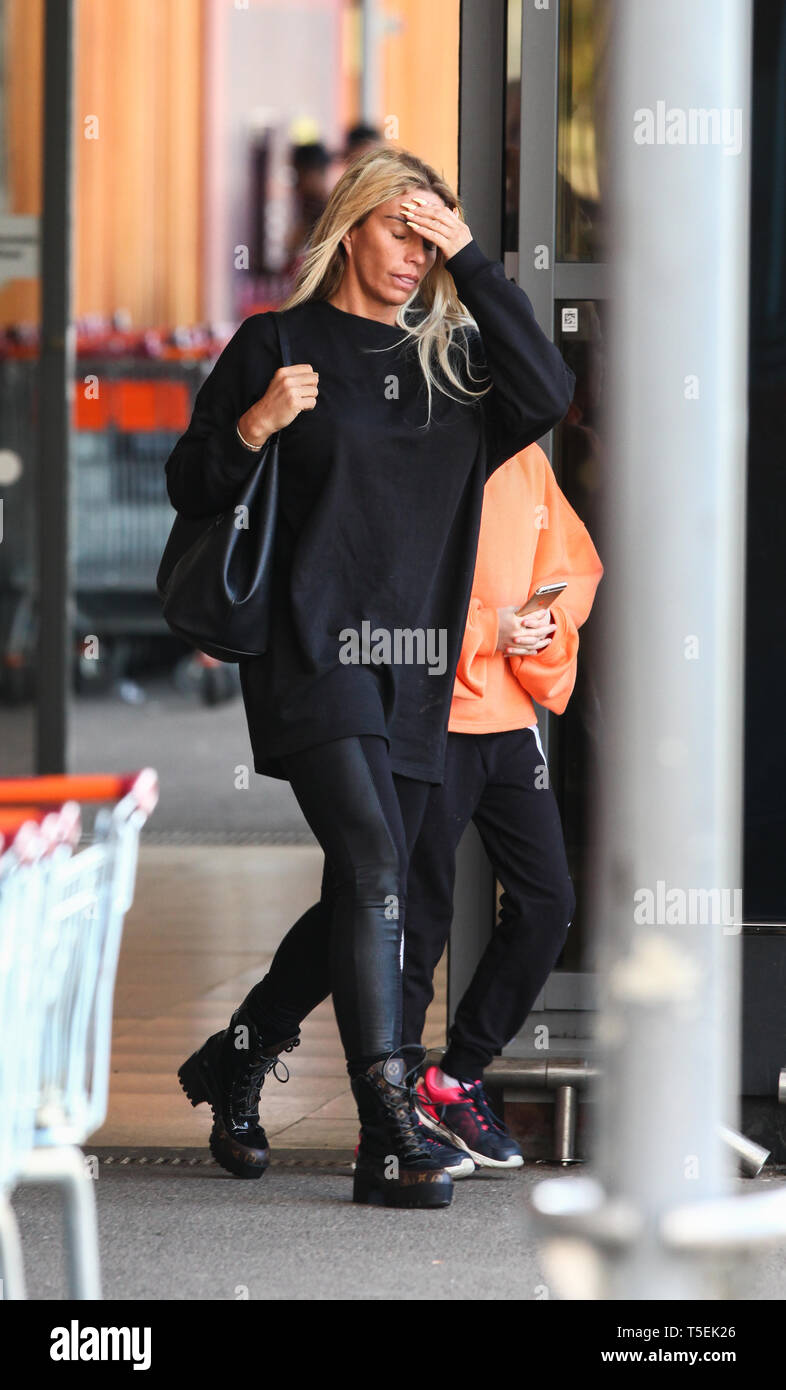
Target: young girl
496, 775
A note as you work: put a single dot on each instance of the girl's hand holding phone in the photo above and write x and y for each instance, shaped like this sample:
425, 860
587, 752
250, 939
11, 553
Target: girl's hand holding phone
524, 636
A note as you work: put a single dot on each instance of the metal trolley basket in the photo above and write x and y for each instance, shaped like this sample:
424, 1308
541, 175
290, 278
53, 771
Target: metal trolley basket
120, 514
61, 919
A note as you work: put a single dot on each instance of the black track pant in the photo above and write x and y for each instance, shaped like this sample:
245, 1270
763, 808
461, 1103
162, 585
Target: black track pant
500, 781
366, 818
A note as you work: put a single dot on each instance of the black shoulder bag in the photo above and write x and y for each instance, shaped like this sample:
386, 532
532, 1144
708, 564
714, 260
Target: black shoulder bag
215, 575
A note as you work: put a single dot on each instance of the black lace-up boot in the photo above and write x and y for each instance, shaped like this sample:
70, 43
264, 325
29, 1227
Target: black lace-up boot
228, 1072
394, 1167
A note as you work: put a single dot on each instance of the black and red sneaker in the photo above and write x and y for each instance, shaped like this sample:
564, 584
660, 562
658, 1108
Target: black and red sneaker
462, 1115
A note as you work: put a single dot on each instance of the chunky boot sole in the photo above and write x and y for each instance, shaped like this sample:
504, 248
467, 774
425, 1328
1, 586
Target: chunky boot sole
238, 1159
463, 1169
196, 1079
423, 1190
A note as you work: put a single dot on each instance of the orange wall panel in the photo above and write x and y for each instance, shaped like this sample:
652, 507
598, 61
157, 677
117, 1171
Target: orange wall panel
142, 118
137, 155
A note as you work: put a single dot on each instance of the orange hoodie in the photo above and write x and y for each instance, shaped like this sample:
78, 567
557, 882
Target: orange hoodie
529, 535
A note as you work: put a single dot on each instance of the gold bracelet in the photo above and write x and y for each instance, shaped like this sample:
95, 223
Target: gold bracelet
252, 448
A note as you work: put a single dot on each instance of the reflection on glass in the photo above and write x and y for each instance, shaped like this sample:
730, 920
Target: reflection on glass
18, 449
584, 27
578, 732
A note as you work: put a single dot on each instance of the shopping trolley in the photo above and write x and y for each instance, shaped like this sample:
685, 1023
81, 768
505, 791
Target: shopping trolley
61, 919
24, 866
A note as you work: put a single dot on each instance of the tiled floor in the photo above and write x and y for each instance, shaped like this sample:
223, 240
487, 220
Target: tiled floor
203, 928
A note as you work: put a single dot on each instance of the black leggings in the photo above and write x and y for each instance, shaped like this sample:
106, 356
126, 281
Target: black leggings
366, 818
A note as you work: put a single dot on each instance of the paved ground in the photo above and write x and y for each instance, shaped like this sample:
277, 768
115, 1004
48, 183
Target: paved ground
200, 933
189, 1231
194, 1232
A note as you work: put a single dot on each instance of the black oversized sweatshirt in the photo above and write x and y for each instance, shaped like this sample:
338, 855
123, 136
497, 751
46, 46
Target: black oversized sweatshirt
378, 517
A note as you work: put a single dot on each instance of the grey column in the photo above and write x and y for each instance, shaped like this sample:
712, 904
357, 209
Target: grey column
56, 374
671, 799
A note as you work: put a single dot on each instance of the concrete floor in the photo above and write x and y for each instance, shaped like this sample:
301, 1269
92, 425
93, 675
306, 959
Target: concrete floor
173, 1225
212, 901
193, 1232
187, 1230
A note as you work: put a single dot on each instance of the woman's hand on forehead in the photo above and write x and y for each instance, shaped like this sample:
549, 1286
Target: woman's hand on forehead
438, 224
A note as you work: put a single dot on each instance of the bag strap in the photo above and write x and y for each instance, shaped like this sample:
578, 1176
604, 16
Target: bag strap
283, 338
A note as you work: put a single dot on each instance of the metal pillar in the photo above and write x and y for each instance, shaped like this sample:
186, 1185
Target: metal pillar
658, 1216
56, 374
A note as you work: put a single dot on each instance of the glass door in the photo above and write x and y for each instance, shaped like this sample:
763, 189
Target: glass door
532, 155
555, 239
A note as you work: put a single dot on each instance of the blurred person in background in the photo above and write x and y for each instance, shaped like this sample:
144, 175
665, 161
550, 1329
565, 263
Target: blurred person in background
360, 138
419, 369
316, 174
310, 163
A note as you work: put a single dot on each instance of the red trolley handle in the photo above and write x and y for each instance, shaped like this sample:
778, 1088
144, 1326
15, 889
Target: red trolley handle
55, 788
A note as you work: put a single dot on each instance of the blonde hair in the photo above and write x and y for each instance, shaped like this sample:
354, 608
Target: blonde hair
372, 178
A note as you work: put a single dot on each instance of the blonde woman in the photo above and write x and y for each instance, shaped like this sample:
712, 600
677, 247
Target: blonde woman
419, 369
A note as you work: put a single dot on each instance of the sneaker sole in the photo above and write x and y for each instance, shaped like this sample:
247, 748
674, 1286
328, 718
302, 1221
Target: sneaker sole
482, 1160
462, 1169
